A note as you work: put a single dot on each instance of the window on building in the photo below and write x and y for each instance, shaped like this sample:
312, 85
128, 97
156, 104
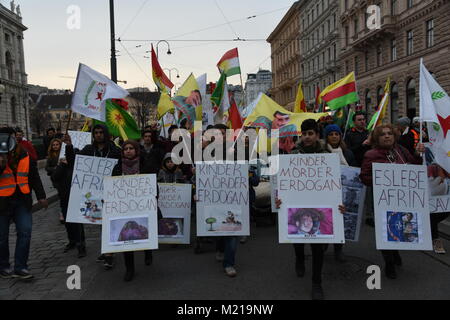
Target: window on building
430, 33
356, 65
393, 7
409, 42
409, 3
393, 50
13, 109
379, 56
367, 101
9, 65
356, 28
7, 37
411, 98
346, 36
366, 61
380, 94
394, 103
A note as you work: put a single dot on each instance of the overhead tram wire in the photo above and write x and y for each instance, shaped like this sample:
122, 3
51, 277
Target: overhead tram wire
134, 18
226, 19
135, 62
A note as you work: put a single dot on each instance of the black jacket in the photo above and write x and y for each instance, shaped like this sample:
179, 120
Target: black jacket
151, 161
354, 141
62, 180
35, 183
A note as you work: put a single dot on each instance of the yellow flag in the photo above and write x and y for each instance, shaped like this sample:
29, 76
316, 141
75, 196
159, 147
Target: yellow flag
165, 105
300, 104
185, 91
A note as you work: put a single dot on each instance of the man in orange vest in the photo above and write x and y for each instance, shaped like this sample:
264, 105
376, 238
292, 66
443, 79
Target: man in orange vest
18, 176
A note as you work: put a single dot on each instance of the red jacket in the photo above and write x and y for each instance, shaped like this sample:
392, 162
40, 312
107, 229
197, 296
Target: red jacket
400, 156
30, 149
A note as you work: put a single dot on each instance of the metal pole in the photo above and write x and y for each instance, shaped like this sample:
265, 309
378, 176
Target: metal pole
113, 43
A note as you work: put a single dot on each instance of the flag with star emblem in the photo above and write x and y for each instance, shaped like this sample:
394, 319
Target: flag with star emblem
435, 110
92, 89
119, 122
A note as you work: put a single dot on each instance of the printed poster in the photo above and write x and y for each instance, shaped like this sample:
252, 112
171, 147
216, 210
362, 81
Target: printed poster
222, 192
402, 212
309, 186
130, 214
86, 192
174, 200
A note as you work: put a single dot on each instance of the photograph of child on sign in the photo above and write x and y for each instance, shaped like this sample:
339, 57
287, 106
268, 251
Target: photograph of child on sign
310, 222
402, 227
351, 199
170, 227
224, 220
91, 207
129, 230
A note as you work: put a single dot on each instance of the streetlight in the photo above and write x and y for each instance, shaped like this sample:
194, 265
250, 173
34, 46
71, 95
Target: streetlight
168, 48
170, 72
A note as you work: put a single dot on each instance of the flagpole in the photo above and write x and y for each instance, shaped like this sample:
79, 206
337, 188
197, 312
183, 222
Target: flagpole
113, 43
68, 122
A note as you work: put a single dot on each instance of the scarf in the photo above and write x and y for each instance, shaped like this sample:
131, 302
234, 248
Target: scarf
340, 153
130, 167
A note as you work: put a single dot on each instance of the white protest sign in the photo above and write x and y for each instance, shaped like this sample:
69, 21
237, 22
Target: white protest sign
130, 214
222, 199
439, 186
174, 200
402, 213
309, 187
79, 141
273, 192
353, 194
86, 192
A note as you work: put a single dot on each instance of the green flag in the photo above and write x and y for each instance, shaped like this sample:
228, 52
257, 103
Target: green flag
120, 123
217, 95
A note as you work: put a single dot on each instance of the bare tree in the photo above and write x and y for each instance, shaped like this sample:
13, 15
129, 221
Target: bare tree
39, 120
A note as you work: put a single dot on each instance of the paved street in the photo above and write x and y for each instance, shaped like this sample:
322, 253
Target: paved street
265, 271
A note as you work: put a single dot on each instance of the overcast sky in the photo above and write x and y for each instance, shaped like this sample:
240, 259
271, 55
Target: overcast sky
52, 51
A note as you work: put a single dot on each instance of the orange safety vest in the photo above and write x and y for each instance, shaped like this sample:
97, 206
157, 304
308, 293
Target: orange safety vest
416, 138
9, 183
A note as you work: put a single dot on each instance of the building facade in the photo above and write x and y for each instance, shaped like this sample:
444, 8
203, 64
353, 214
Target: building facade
410, 30
285, 55
319, 46
14, 107
256, 83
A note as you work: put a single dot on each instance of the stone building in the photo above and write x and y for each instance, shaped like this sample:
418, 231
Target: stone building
285, 54
319, 45
410, 30
256, 83
14, 108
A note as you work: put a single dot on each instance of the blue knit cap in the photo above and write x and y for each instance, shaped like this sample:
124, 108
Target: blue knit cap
332, 128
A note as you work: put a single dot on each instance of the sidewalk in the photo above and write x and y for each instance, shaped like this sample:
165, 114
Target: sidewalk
52, 194
265, 271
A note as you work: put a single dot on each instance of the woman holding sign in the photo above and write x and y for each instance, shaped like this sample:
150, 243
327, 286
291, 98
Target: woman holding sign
386, 150
131, 163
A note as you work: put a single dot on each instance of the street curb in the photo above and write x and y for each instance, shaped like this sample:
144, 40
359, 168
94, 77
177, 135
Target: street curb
52, 199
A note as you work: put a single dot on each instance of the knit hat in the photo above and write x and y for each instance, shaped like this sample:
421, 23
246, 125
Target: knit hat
405, 122
332, 128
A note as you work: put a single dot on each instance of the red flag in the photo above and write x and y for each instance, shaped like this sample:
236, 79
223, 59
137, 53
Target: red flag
234, 115
160, 78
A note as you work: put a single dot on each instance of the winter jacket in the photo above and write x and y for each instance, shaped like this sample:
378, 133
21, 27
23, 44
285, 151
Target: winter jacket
62, 180
51, 165
317, 148
151, 161
354, 140
379, 155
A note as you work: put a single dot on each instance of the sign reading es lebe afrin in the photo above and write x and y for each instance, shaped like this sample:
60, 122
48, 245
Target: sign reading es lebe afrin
402, 213
309, 186
86, 191
174, 200
222, 192
130, 214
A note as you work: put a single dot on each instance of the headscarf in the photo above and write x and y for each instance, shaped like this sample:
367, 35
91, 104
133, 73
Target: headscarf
131, 166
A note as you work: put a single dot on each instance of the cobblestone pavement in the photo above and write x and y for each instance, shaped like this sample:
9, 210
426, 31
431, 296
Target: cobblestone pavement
265, 271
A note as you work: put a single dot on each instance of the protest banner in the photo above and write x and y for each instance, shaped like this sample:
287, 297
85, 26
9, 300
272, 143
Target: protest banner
402, 212
222, 199
79, 141
309, 186
86, 192
174, 200
439, 186
353, 194
130, 215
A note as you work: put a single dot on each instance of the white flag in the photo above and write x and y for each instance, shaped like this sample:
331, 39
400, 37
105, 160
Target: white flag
92, 89
435, 109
